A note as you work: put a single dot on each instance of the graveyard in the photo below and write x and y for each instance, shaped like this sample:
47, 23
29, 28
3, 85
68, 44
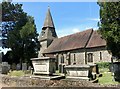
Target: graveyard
80, 59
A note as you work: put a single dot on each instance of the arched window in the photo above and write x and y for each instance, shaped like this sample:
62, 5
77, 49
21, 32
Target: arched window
62, 58
74, 59
68, 58
100, 55
90, 57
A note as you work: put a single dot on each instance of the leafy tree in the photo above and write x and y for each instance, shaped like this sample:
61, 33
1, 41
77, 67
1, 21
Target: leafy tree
109, 25
24, 42
21, 32
13, 18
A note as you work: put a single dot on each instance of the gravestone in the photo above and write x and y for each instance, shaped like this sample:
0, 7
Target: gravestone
5, 68
0, 68
24, 66
1, 57
116, 70
0, 62
13, 67
18, 67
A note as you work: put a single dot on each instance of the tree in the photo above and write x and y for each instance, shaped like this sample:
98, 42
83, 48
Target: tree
109, 25
13, 18
21, 32
24, 42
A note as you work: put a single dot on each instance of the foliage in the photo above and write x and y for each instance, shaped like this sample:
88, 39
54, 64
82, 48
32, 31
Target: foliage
13, 18
109, 25
22, 35
103, 64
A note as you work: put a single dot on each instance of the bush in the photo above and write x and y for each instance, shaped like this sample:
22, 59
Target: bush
103, 64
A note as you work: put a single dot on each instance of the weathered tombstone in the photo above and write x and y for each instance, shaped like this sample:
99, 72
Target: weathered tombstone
13, 66
0, 68
5, 68
18, 67
29, 68
78, 72
0, 62
44, 68
44, 65
24, 66
1, 57
116, 70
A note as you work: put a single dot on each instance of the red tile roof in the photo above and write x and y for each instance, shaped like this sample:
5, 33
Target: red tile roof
70, 42
96, 40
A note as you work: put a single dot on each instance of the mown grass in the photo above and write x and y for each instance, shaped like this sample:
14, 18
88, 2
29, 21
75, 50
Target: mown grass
16, 73
107, 77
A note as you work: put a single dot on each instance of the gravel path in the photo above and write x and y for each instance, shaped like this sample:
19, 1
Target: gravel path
1, 84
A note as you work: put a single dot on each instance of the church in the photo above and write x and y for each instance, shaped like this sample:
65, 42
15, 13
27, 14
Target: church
80, 48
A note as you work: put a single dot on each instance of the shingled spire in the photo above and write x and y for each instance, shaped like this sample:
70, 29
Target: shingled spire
48, 33
48, 20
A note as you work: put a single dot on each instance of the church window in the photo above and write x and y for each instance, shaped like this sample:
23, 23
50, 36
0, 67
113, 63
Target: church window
90, 57
100, 55
43, 33
74, 59
62, 58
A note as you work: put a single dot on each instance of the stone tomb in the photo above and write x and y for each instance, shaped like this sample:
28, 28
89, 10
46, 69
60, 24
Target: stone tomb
44, 68
78, 72
43, 65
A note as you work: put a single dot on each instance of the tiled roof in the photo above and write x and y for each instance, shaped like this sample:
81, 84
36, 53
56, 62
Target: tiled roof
70, 42
96, 40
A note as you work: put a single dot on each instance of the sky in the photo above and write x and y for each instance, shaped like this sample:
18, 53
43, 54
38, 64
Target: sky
68, 17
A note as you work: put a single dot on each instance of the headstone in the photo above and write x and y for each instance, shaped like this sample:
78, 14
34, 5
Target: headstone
5, 68
13, 66
18, 67
116, 70
1, 57
24, 66
0, 68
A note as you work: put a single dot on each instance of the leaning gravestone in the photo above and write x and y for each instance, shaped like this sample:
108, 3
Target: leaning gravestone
24, 66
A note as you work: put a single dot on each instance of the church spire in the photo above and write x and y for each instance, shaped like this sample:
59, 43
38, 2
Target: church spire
48, 20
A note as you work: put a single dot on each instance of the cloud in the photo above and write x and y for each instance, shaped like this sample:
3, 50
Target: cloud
75, 30
94, 19
67, 31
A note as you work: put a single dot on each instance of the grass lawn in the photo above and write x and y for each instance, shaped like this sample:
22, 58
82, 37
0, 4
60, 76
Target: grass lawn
19, 73
107, 77
16, 73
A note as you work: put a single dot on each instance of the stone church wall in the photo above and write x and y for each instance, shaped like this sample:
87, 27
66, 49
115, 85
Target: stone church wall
99, 51
75, 57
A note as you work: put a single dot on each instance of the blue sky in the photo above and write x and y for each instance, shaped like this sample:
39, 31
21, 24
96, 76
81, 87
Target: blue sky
68, 17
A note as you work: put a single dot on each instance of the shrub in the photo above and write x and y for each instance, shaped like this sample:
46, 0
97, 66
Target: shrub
103, 64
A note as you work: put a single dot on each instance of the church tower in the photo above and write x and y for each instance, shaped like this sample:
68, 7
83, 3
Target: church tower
48, 33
